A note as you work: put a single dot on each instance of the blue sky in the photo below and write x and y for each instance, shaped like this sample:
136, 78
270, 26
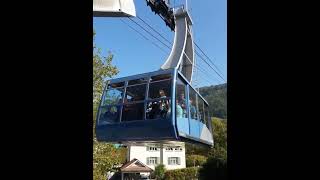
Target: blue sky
134, 55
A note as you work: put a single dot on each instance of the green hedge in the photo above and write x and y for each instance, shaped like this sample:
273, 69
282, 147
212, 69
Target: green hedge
195, 160
182, 174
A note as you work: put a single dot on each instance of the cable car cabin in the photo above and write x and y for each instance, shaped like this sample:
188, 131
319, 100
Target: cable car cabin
158, 106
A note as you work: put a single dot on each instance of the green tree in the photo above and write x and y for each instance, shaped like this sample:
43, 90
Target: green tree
102, 69
159, 172
194, 149
214, 168
220, 138
195, 160
104, 155
216, 165
217, 98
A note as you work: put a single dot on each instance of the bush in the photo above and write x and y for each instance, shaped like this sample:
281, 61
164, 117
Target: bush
159, 171
214, 168
195, 160
182, 174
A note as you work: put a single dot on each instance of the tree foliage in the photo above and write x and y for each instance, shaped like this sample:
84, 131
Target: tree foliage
195, 160
214, 168
216, 165
104, 155
159, 172
219, 150
220, 138
102, 69
216, 96
194, 149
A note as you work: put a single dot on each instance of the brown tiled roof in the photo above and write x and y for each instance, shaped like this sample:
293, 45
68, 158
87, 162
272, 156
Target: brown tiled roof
135, 166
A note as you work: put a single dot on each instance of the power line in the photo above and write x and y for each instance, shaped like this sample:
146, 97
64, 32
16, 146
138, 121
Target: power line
171, 44
195, 65
149, 32
155, 26
144, 36
154, 30
207, 57
210, 66
195, 50
205, 73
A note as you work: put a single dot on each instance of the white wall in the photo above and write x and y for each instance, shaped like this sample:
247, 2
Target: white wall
181, 154
141, 153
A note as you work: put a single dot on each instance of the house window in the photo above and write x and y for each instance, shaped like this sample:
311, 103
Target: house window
173, 161
177, 148
152, 148
152, 160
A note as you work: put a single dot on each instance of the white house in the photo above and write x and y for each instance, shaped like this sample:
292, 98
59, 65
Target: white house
171, 155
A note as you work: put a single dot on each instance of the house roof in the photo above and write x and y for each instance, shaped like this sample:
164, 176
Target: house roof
135, 166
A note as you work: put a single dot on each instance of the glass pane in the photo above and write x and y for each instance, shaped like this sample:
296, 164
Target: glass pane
109, 114
133, 112
181, 103
115, 85
192, 104
138, 81
160, 89
160, 77
135, 93
158, 109
113, 96
201, 110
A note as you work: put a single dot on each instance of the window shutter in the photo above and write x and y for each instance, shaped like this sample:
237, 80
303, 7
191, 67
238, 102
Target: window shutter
147, 148
147, 161
158, 160
178, 161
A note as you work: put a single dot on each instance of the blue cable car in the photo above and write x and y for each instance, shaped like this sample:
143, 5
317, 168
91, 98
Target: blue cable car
159, 106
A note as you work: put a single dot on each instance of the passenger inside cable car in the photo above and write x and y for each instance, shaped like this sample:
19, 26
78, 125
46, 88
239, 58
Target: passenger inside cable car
193, 110
179, 110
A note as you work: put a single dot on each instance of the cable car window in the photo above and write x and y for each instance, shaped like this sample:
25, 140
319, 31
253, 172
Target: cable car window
207, 117
115, 85
192, 104
160, 77
201, 115
133, 112
160, 89
112, 96
109, 114
158, 105
135, 93
181, 102
138, 81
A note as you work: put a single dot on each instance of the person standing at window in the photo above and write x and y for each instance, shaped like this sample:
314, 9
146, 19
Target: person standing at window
164, 104
179, 110
183, 102
193, 110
